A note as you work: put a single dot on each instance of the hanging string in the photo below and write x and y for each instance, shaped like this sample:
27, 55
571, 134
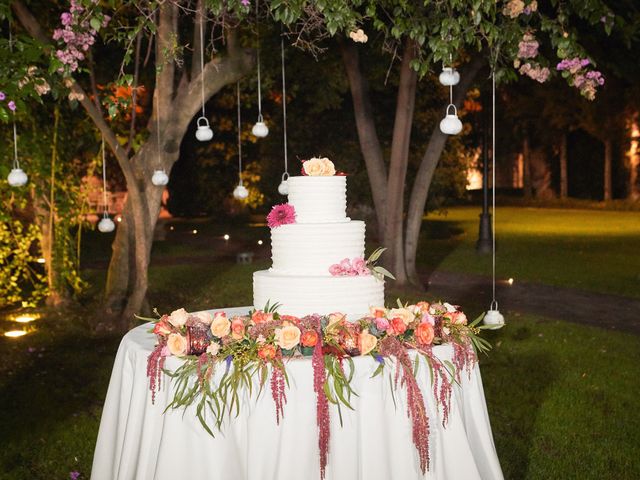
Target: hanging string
202, 57
451, 86
258, 60
493, 188
16, 162
239, 135
104, 180
284, 107
158, 130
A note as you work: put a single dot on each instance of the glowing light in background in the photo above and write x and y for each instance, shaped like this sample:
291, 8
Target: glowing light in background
226, 236
259, 242
510, 281
15, 333
26, 318
41, 260
194, 231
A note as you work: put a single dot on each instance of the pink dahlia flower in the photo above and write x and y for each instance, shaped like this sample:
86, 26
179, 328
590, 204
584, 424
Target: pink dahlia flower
282, 214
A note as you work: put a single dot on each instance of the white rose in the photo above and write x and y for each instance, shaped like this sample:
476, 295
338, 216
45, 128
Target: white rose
319, 167
328, 168
450, 308
204, 317
177, 345
178, 318
405, 314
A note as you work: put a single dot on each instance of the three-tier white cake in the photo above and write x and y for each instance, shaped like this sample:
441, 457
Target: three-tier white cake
302, 253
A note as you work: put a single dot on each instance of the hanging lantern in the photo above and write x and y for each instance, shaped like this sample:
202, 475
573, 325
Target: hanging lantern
160, 178
106, 225
240, 192
493, 319
451, 124
17, 177
449, 76
204, 132
260, 128
283, 188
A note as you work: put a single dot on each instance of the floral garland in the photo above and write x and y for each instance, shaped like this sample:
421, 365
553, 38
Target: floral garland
246, 346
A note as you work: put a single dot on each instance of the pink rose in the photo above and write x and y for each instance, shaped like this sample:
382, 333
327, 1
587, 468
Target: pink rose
345, 265
382, 323
335, 270
163, 327
359, 263
237, 327
428, 318
397, 326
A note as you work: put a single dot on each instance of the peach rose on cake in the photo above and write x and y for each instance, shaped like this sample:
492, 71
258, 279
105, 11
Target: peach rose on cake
260, 317
237, 328
177, 345
319, 167
220, 326
424, 334
366, 342
288, 338
178, 317
405, 314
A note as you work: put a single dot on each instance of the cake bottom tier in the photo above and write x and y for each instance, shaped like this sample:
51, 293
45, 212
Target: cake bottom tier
303, 295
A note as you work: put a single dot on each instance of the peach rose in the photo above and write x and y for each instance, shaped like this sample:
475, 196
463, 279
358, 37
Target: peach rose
405, 314
237, 328
319, 167
424, 334
422, 307
336, 318
366, 342
309, 338
178, 318
378, 312
267, 352
397, 326
204, 317
457, 318
260, 317
220, 326
288, 337
177, 345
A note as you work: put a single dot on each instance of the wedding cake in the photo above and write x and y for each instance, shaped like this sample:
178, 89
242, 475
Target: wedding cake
317, 255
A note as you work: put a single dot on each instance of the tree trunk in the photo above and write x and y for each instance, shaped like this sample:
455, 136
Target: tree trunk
424, 176
367, 135
564, 184
394, 221
608, 146
526, 163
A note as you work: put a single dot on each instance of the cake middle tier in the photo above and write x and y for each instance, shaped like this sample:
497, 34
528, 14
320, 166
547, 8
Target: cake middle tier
311, 248
305, 295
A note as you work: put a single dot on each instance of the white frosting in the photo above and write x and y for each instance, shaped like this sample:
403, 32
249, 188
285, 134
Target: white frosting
319, 199
304, 295
311, 248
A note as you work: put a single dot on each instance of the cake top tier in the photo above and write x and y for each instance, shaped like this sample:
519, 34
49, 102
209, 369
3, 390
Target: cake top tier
319, 199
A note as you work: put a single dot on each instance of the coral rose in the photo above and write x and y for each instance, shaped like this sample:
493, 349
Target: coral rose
288, 337
366, 342
397, 326
424, 334
309, 338
177, 345
163, 327
237, 328
405, 314
178, 317
220, 326
260, 317
267, 352
378, 312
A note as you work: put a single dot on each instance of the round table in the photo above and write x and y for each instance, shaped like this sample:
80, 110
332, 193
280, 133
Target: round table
137, 441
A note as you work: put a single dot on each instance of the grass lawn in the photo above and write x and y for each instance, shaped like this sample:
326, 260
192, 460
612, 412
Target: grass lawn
586, 249
562, 397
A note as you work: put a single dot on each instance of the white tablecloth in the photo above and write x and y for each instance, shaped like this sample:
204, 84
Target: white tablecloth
137, 441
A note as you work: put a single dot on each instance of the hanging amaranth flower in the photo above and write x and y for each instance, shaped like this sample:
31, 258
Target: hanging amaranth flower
282, 214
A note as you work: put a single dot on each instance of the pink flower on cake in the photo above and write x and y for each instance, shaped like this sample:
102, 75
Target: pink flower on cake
177, 345
360, 266
335, 270
350, 268
282, 214
382, 324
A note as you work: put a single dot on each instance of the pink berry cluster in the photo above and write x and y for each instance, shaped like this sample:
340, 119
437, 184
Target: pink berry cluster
80, 27
584, 79
528, 50
350, 268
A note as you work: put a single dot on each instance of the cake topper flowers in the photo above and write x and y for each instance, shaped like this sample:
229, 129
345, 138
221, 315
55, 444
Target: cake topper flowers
318, 167
360, 267
282, 214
